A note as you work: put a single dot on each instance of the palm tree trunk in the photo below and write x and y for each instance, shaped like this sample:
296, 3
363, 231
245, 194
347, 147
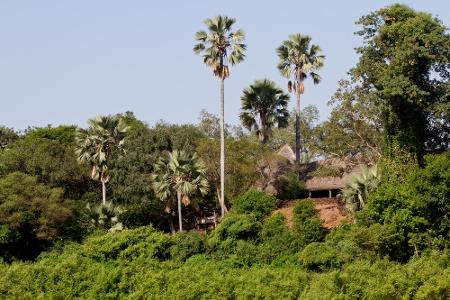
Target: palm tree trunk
297, 132
103, 192
179, 211
171, 226
222, 146
297, 123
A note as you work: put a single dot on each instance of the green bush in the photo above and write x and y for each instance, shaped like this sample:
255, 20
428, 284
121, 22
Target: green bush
417, 206
351, 242
187, 244
254, 202
307, 225
237, 226
274, 225
290, 187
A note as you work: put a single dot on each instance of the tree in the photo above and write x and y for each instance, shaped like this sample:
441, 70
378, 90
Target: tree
264, 105
95, 145
180, 175
48, 154
33, 215
405, 60
298, 60
354, 129
7, 136
220, 46
308, 131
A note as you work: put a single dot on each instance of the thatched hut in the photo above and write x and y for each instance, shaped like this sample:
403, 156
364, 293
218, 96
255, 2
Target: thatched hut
323, 178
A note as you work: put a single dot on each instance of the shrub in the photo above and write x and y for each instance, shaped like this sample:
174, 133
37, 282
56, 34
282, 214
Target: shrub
237, 226
186, 244
254, 202
274, 225
307, 225
290, 187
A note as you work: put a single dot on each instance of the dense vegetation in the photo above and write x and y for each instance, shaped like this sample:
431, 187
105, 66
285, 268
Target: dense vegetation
92, 213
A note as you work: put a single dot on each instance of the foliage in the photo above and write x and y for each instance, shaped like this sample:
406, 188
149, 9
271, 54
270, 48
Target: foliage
405, 61
237, 226
264, 106
32, 216
48, 154
418, 207
308, 130
105, 216
307, 225
289, 187
94, 146
7, 136
254, 202
359, 186
187, 244
220, 45
179, 176
298, 60
241, 171
354, 128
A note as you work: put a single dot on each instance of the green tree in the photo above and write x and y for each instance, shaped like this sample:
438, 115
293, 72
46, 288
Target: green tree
7, 136
221, 46
309, 131
95, 145
354, 128
298, 60
405, 61
179, 175
48, 154
264, 106
33, 214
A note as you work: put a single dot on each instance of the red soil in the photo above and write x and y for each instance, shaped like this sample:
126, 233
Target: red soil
330, 211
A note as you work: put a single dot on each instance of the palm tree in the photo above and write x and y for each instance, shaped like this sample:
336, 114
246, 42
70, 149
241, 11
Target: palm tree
221, 46
179, 175
95, 145
263, 106
298, 60
358, 187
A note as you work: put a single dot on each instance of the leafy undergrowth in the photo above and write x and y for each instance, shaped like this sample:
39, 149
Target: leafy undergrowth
244, 258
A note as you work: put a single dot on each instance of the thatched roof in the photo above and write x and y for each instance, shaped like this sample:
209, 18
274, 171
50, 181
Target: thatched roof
325, 183
287, 152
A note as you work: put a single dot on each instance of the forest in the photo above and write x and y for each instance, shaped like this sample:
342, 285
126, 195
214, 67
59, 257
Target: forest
113, 210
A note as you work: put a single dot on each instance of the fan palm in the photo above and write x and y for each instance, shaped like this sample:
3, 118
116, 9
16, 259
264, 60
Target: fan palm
298, 60
179, 175
263, 106
359, 186
221, 46
95, 145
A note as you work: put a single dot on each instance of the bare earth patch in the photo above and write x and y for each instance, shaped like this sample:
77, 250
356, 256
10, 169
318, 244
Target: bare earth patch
330, 211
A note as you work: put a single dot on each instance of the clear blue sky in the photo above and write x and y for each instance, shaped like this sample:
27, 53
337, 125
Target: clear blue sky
62, 62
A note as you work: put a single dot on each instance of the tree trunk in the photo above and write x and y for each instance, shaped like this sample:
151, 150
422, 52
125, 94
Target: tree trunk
222, 146
103, 192
180, 221
297, 124
171, 226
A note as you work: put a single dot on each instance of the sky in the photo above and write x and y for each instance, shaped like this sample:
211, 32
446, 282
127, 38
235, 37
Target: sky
62, 62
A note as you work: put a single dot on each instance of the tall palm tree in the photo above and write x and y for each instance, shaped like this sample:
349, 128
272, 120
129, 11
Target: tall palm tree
95, 145
264, 105
298, 60
179, 175
219, 47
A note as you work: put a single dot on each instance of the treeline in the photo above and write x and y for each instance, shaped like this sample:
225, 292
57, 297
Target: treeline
58, 240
